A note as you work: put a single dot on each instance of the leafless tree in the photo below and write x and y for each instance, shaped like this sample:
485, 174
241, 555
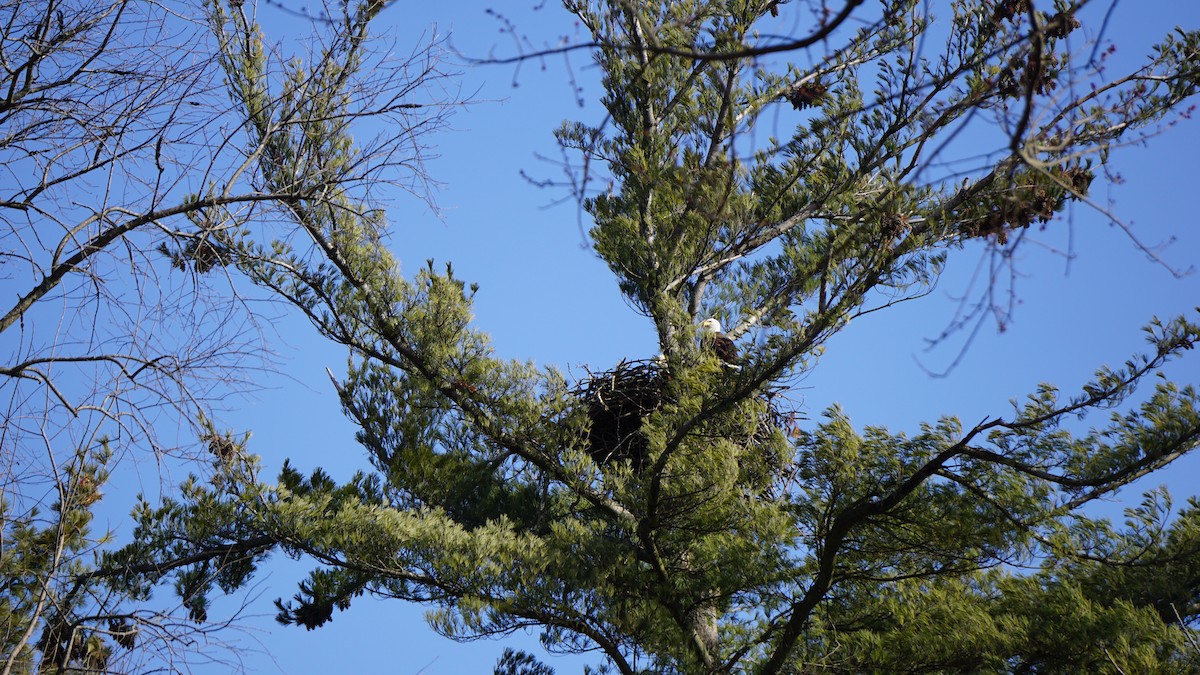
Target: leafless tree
127, 183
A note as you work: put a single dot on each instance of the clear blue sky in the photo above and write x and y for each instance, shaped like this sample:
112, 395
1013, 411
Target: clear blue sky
544, 296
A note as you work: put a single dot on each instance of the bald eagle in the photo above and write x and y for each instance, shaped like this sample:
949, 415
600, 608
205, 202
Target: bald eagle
720, 343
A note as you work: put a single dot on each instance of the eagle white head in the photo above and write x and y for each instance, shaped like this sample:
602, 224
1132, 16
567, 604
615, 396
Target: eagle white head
711, 325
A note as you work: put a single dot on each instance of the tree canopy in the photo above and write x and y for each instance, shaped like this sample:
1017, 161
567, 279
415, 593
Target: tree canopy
676, 514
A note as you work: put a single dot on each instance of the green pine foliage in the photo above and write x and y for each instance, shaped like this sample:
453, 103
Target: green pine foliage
741, 541
43, 568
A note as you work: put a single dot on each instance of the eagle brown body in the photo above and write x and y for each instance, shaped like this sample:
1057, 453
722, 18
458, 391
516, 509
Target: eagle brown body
722, 345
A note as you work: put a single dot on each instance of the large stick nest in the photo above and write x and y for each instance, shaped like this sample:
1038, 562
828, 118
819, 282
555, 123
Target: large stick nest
619, 401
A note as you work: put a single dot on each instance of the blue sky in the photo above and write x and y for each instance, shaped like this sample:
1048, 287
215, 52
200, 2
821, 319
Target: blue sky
544, 296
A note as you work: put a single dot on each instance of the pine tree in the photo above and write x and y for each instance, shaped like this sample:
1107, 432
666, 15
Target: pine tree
671, 513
